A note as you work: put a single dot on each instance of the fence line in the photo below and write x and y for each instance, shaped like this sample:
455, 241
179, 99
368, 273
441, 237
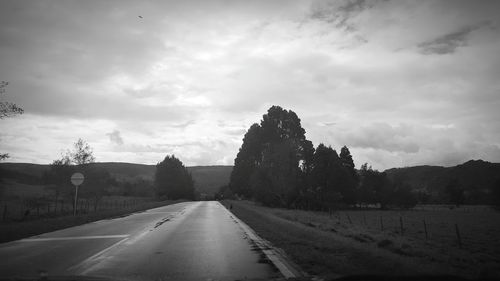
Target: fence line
32, 209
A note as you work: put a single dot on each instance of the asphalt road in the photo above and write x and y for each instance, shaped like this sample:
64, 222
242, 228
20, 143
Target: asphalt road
185, 241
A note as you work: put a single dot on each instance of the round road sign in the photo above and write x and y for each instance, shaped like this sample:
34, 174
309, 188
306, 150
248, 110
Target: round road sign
77, 179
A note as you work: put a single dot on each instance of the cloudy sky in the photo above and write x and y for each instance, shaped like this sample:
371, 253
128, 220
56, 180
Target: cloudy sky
399, 82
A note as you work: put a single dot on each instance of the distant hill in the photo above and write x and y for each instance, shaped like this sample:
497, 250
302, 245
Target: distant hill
475, 176
207, 179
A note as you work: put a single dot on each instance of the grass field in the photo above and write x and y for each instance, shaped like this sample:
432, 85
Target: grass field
371, 242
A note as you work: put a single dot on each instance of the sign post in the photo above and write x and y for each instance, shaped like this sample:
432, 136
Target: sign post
76, 180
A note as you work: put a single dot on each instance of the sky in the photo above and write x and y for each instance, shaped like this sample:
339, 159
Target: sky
401, 83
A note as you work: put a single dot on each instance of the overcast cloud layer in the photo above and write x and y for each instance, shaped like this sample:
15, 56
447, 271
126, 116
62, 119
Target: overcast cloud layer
399, 82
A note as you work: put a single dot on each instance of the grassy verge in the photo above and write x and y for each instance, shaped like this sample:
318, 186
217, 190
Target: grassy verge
339, 249
18, 230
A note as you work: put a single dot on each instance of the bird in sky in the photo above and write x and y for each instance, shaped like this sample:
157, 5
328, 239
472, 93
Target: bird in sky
140, 17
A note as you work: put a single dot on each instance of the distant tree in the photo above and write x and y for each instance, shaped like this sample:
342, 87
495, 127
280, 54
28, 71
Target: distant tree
77, 159
58, 177
224, 192
456, 192
97, 182
375, 188
366, 191
137, 186
7, 109
172, 180
81, 154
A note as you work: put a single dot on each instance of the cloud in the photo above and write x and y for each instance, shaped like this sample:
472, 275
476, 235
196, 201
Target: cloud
339, 13
382, 136
450, 42
115, 137
192, 74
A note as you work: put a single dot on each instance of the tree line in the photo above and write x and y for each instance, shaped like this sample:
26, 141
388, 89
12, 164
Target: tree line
172, 179
277, 166
97, 181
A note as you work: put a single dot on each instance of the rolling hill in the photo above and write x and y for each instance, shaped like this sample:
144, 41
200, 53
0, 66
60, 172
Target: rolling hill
476, 177
207, 179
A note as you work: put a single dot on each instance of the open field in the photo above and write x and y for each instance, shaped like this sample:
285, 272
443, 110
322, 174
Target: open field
356, 242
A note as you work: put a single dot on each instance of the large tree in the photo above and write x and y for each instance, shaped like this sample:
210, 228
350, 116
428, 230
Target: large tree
277, 179
324, 189
349, 176
248, 159
172, 180
273, 159
366, 191
7, 109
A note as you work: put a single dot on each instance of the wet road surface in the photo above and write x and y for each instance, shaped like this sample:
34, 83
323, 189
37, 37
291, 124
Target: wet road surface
185, 241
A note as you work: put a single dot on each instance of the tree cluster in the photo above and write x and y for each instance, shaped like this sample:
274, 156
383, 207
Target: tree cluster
172, 180
277, 166
375, 188
79, 159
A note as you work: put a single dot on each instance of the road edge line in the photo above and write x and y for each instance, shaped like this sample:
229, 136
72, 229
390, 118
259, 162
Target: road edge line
94, 257
286, 268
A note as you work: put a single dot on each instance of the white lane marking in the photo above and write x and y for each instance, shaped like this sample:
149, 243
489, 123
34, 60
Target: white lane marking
94, 257
137, 237
94, 262
72, 238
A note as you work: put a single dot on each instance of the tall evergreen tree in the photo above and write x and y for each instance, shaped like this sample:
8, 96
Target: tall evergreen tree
248, 159
349, 176
275, 154
325, 177
365, 193
277, 178
346, 160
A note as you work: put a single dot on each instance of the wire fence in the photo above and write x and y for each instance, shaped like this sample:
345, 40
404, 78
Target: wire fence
36, 208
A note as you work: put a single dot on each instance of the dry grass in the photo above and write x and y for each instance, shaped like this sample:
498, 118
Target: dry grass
352, 242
